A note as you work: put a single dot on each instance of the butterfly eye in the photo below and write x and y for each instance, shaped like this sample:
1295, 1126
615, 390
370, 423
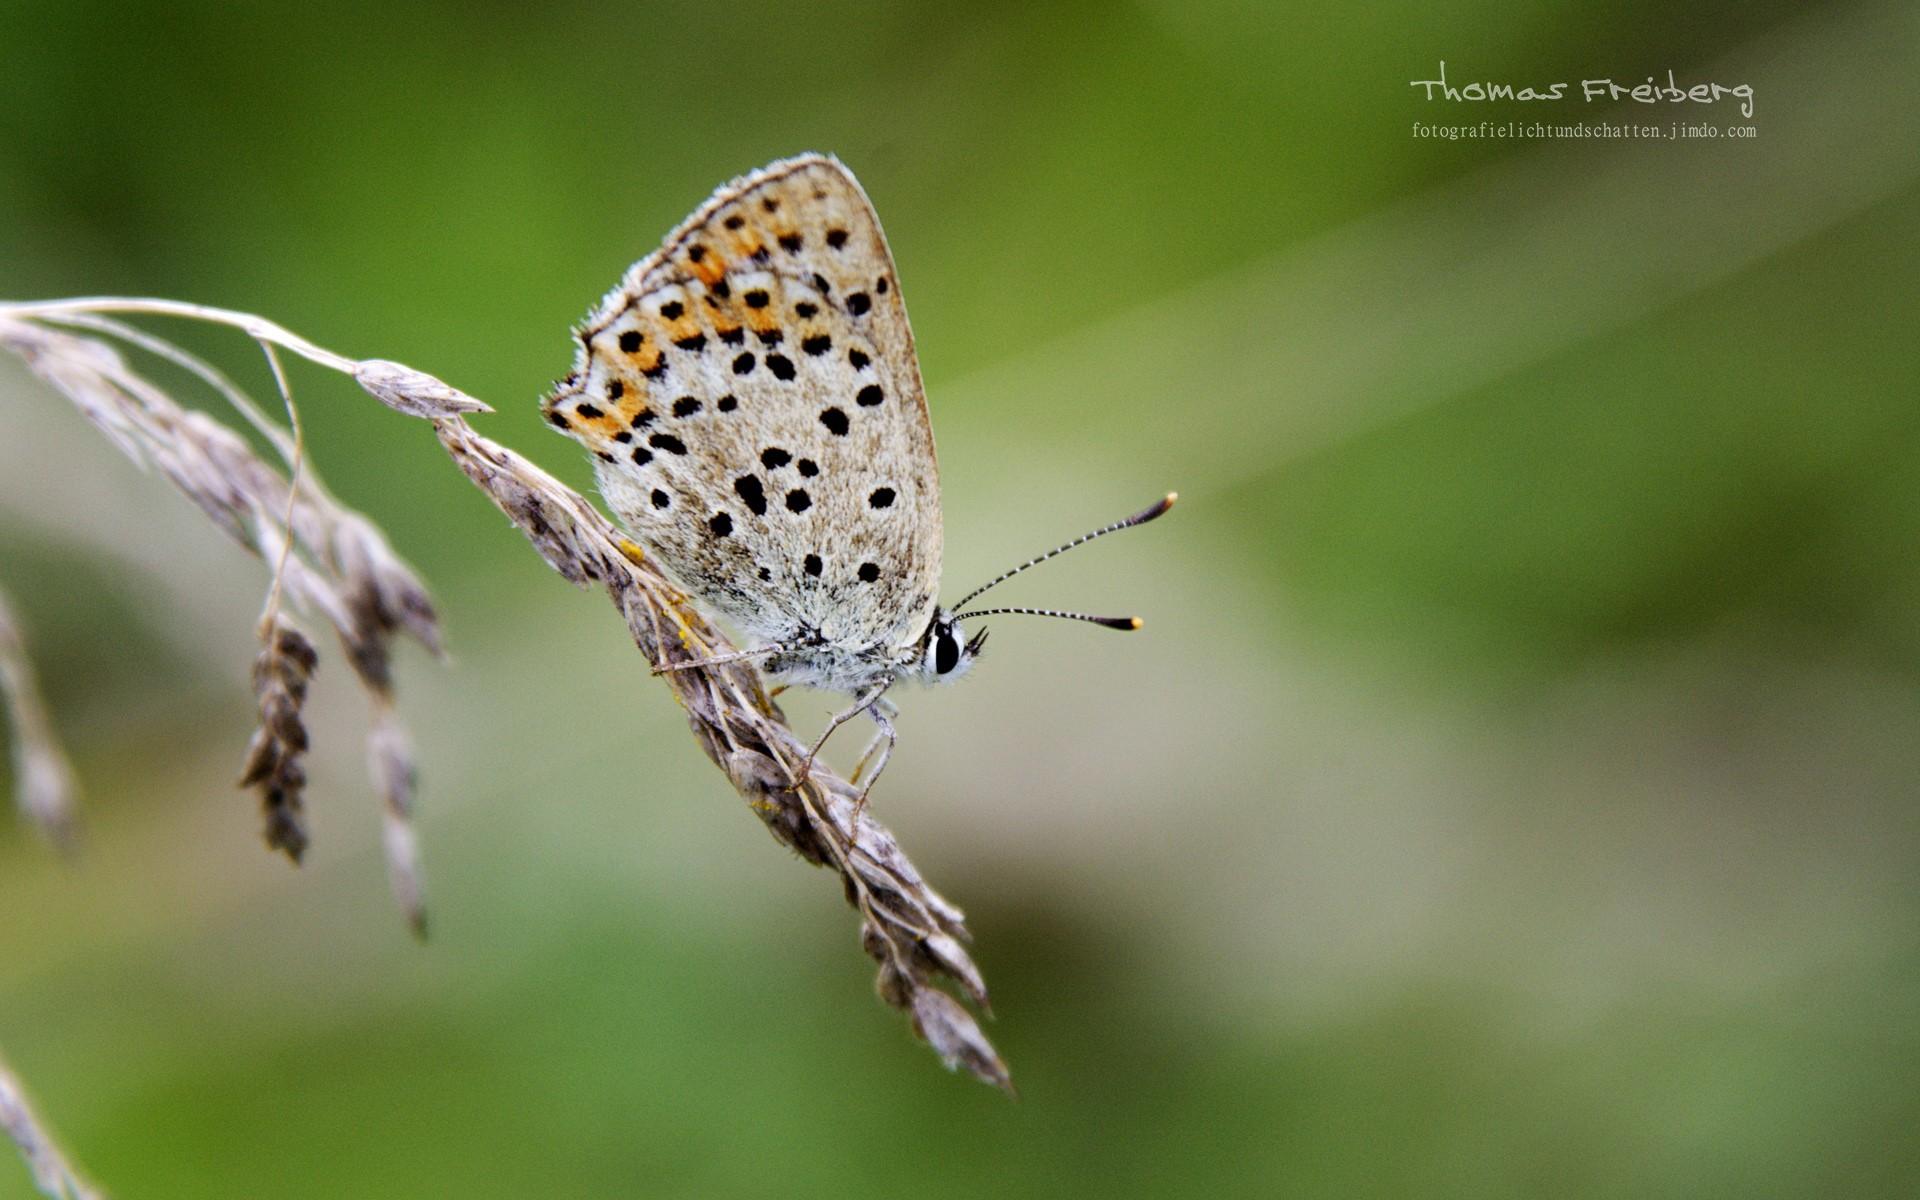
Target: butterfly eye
946, 651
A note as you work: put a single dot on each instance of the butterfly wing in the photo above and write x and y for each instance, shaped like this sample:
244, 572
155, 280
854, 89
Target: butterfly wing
752, 398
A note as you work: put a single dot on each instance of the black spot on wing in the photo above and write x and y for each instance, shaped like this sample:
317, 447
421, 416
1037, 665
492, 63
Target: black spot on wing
751, 491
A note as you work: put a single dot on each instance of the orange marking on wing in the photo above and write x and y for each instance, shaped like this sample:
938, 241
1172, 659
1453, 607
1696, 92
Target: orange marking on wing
710, 268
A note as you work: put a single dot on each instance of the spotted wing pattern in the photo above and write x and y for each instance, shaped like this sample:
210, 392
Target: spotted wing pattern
752, 399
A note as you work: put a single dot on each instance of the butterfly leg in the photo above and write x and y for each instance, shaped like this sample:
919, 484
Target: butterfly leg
879, 712
718, 659
860, 705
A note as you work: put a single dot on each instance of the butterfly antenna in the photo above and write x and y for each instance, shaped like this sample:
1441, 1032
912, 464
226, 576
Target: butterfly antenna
1139, 518
1109, 622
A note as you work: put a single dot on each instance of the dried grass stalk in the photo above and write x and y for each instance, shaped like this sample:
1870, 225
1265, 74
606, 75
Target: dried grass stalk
280, 676
43, 780
391, 764
908, 928
916, 936
329, 561
51, 1171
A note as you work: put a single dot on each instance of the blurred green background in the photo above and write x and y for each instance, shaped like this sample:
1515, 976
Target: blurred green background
1513, 793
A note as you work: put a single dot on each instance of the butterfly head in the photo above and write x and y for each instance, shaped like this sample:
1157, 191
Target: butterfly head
945, 650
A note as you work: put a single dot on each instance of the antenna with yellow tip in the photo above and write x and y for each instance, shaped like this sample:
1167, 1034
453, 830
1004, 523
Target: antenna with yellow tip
1109, 622
1139, 518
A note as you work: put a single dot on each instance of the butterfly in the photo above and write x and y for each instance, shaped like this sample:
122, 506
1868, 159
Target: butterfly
752, 401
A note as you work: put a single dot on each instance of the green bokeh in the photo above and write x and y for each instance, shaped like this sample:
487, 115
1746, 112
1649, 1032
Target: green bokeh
1513, 794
